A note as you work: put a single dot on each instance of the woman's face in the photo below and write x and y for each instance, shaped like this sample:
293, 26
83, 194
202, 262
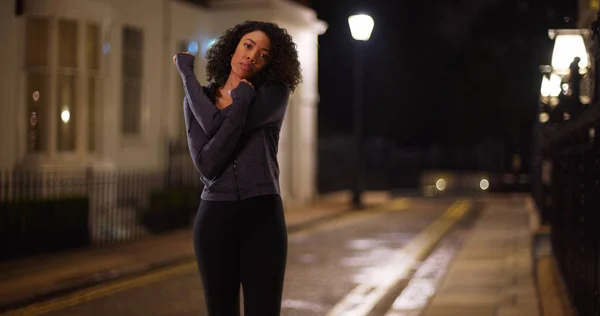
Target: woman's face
251, 55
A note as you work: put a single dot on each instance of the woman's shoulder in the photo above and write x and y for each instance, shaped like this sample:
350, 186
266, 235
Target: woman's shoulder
275, 88
210, 90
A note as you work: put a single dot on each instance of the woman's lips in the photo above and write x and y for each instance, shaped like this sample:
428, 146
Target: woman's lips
246, 67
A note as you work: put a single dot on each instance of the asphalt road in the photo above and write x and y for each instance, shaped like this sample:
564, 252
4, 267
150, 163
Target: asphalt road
325, 263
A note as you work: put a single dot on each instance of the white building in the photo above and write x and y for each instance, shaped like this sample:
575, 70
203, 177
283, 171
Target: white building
99, 77
587, 10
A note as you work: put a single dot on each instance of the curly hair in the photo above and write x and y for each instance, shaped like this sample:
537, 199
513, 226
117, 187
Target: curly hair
283, 67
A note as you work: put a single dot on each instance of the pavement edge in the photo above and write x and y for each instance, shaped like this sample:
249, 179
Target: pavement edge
551, 289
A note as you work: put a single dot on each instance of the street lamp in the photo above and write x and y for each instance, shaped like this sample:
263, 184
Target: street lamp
361, 26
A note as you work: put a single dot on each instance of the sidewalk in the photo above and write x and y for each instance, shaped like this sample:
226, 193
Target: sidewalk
32, 278
493, 274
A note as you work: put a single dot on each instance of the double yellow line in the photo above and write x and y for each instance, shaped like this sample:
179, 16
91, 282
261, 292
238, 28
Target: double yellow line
364, 297
102, 290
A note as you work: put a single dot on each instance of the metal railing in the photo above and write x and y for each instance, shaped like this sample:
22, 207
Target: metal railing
42, 211
567, 193
569, 198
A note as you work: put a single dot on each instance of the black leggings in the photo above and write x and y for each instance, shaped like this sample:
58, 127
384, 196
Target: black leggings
242, 242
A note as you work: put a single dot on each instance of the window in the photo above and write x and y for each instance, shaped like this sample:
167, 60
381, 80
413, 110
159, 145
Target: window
92, 50
132, 81
66, 94
37, 37
56, 118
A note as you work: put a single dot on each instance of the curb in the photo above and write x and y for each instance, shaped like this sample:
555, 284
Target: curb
136, 270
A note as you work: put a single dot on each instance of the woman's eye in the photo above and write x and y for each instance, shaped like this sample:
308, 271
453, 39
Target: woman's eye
247, 45
264, 56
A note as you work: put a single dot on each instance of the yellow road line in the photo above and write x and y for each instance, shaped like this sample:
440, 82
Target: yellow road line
113, 287
102, 290
364, 297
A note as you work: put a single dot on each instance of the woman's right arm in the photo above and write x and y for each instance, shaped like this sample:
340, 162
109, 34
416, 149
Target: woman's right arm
213, 156
205, 112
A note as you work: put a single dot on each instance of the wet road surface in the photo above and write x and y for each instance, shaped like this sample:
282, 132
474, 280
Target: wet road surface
325, 263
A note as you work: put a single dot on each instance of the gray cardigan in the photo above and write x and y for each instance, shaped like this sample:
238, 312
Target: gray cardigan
234, 149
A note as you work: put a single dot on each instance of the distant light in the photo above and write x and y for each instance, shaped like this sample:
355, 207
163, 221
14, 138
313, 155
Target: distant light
193, 47
544, 117
566, 48
484, 184
550, 87
207, 44
106, 48
440, 184
65, 116
361, 26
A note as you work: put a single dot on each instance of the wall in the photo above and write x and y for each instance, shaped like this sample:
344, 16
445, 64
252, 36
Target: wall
8, 87
147, 150
587, 12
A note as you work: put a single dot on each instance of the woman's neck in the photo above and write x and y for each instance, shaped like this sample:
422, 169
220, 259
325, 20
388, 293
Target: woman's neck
232, 81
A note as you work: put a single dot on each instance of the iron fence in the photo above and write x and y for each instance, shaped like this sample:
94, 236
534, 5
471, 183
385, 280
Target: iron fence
43, 211
567, 185
569, 198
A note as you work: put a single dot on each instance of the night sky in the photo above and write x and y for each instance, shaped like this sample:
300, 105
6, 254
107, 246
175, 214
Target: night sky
447, 72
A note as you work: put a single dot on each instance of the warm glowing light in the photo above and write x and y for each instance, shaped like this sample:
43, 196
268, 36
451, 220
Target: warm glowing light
566, 48
440, 184
544, 117
65, 116
550, 87
484, 184
361, 26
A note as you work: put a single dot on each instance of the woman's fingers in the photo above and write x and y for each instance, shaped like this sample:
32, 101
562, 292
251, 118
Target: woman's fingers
175, 57
248, 82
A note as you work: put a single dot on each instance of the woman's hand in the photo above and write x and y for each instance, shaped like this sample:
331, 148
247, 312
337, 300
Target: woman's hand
175, 57
246, 81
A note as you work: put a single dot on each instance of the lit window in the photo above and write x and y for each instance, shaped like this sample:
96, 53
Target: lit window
54, 123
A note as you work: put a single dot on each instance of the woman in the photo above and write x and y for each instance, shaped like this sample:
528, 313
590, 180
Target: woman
233, 127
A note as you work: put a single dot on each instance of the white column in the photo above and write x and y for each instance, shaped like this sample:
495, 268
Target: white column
285, 156
51, 118
8, 86
81, 86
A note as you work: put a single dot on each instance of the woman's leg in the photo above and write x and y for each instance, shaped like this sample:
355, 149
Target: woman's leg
263, 255
216, 243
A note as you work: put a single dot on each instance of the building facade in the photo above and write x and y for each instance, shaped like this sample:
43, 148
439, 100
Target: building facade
587, 10
91, 84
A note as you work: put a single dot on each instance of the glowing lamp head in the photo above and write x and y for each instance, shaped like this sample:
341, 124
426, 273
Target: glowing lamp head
361, 26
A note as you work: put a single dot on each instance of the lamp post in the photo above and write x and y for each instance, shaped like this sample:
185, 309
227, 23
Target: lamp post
568, 44
361, 26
